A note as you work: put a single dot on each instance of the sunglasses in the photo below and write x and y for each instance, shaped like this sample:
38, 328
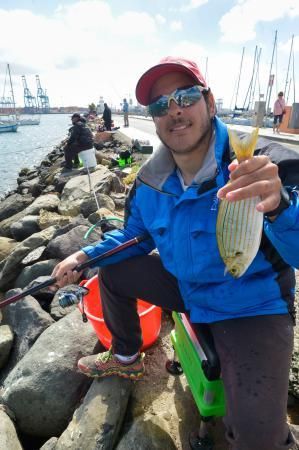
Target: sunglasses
184, 97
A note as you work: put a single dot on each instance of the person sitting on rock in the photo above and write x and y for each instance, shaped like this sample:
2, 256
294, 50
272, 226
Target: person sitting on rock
80, 138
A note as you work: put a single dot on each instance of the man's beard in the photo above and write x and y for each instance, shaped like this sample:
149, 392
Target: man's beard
205, 137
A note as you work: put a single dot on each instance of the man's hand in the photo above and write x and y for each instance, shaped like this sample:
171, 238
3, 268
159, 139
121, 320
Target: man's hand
64, 272
254, 177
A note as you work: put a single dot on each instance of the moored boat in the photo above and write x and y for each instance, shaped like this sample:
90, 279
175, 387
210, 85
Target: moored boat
8, 116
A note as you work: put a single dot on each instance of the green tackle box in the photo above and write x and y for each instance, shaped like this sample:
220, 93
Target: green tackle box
208, 395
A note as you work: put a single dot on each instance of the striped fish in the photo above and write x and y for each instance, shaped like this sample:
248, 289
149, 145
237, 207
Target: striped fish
239, 225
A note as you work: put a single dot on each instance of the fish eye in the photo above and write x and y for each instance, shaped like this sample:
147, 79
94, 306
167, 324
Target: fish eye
238, 253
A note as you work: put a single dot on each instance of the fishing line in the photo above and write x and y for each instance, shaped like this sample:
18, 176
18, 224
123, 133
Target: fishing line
92, 191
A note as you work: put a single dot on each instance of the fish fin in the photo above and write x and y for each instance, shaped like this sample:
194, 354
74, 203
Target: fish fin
244, 148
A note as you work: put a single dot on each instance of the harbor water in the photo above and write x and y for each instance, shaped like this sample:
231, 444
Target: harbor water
28, 146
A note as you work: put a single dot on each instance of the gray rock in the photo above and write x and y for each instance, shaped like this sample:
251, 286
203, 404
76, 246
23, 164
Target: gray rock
10, 266
34, 255
46, 379
75, 222
50, 444
63, 246
6, 247
96, 423
8, 435
27, 320
33, 186
13, 204
147, 434
117, 186
48, 218
49, 202
295, 432
6, 340
27, 173
89, 205
77, 189
119, 199
30, 273
24, 228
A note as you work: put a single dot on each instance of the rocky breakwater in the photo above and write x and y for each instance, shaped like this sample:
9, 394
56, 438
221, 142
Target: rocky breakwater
45, 403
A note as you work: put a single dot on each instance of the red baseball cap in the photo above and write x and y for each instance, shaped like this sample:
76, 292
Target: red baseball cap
166, 65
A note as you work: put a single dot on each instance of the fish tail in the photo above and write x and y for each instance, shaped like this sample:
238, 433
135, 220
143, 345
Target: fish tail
244, 148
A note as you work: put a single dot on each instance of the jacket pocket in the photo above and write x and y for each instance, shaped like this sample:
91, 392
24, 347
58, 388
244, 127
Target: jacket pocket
161, 234
204, 251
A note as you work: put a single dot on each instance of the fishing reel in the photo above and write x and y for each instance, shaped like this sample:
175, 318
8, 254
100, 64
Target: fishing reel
68, 297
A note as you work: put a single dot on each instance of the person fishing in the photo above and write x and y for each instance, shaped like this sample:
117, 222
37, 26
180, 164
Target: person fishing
175, 199
79, 139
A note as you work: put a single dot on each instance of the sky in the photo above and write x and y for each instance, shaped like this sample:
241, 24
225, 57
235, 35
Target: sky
85, 49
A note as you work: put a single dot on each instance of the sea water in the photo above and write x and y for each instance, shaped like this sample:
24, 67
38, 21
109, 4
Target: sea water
28, 147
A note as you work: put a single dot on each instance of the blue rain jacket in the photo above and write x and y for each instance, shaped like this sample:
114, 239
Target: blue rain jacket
182, 226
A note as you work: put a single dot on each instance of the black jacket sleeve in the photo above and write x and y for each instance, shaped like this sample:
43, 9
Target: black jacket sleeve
74, 134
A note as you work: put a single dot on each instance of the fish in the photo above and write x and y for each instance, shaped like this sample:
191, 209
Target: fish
239, 225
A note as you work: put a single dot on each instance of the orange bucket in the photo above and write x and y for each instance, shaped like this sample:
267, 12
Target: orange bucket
150, 316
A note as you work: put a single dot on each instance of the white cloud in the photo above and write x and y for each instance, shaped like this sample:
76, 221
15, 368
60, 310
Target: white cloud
80, 52
286, 46
176, 25
238, 24
193, 4
104, 53
160, 19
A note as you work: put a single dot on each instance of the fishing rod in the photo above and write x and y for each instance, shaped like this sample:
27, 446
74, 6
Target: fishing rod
78, 268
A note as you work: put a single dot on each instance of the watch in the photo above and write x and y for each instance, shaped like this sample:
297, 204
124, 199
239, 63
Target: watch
285, 202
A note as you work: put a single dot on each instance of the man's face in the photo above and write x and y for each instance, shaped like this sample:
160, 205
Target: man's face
182, 129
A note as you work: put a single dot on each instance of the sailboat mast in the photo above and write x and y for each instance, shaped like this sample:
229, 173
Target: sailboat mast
249, 90
289, 63
237, 93
11, 89
257, 77
270, 81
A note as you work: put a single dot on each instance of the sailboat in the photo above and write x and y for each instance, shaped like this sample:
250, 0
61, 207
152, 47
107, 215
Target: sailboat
29, 120
8, 116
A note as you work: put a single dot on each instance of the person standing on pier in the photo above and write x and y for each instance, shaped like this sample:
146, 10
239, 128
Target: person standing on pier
126, 112
107, 117
278, 111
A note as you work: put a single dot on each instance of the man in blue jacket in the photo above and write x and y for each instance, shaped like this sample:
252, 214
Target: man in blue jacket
175, 200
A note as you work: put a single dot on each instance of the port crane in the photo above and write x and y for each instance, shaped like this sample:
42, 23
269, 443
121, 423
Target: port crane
30, 106
42, 98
